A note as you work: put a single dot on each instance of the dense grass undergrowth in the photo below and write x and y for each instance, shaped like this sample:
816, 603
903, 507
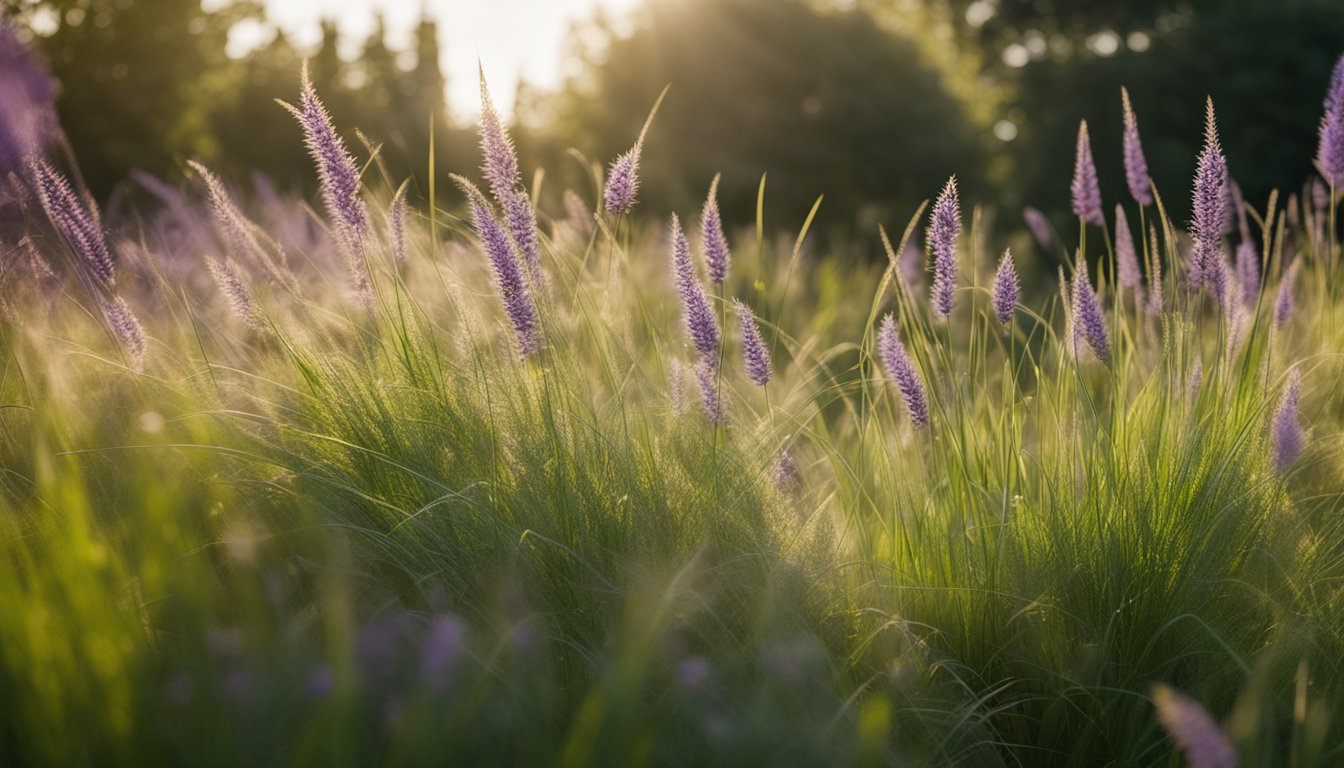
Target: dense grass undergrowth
288, 487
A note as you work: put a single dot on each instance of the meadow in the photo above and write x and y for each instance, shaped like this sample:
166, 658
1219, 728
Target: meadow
462, 478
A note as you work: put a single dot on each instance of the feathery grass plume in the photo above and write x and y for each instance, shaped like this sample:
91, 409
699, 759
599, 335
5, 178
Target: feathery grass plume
577, 212
338, 178
785, 474
1005, 291
1248, 273
39, 266
1220, 283
1283, 301
705, 376
1330, 149
675, 389
717, 255
76, 223
397, 224
944, 229
1287, 426
1039, 226
1089, 321
1126, 257
755, 357
622, 188
1085, 189
700, 322
500, 167
1209, 207
235, 230
901, 369
1195, 380
509, 279
126, 327
1136, 166
229, 279
28, 122
1193, 729
1153, 304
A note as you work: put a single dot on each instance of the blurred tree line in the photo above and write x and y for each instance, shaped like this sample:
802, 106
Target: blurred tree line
870, 102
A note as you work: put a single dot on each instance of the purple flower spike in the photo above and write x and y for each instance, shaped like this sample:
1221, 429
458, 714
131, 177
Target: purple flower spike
1248, 273
1194, 731
338, 178
1210, 205
1088, 318
717, 255
1085, 189
944, 229
788, 479
236, 231
1126, 258
509, 279
1153, 305
506, 185
1136, 166
126, 327
1330, 150
1040, 228
901, 370
397, 225
229, 279
623, 182
76, 223
705, 376
1283, 302
1005, 291
755, 356
1287, 426
700, 322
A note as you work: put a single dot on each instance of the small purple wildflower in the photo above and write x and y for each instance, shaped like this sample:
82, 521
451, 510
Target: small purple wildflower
1194, 731
397, 224
1085, 189
700, 321
755, 357
1330, 149
1287, 426
509, 279
76, 223
717, 255
1210, 203
1040, 228
1126, 257
944, 229
1136, 166
1089, 320
1005, 291
506, 185
901, 369
1283, 301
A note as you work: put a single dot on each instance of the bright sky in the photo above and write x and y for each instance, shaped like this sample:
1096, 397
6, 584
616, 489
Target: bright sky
512, 38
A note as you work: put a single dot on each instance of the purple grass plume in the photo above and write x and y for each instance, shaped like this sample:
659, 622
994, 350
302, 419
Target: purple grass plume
1153, 304
755, 357
941, 239
1193, 729
236, 231
1004, 294
506, 185
717, 255
28, 121
1248, 273
622, 188
1040, 228
1136, 166
338, 179
1283, 301
397, 224
1209, 206
78, 224
1287, 426
901, 369
1330, 149
1126, 256
706, 375
700, 322
126, 327
1085, 190
509, 278
229, 279
785, 474
1089, 320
